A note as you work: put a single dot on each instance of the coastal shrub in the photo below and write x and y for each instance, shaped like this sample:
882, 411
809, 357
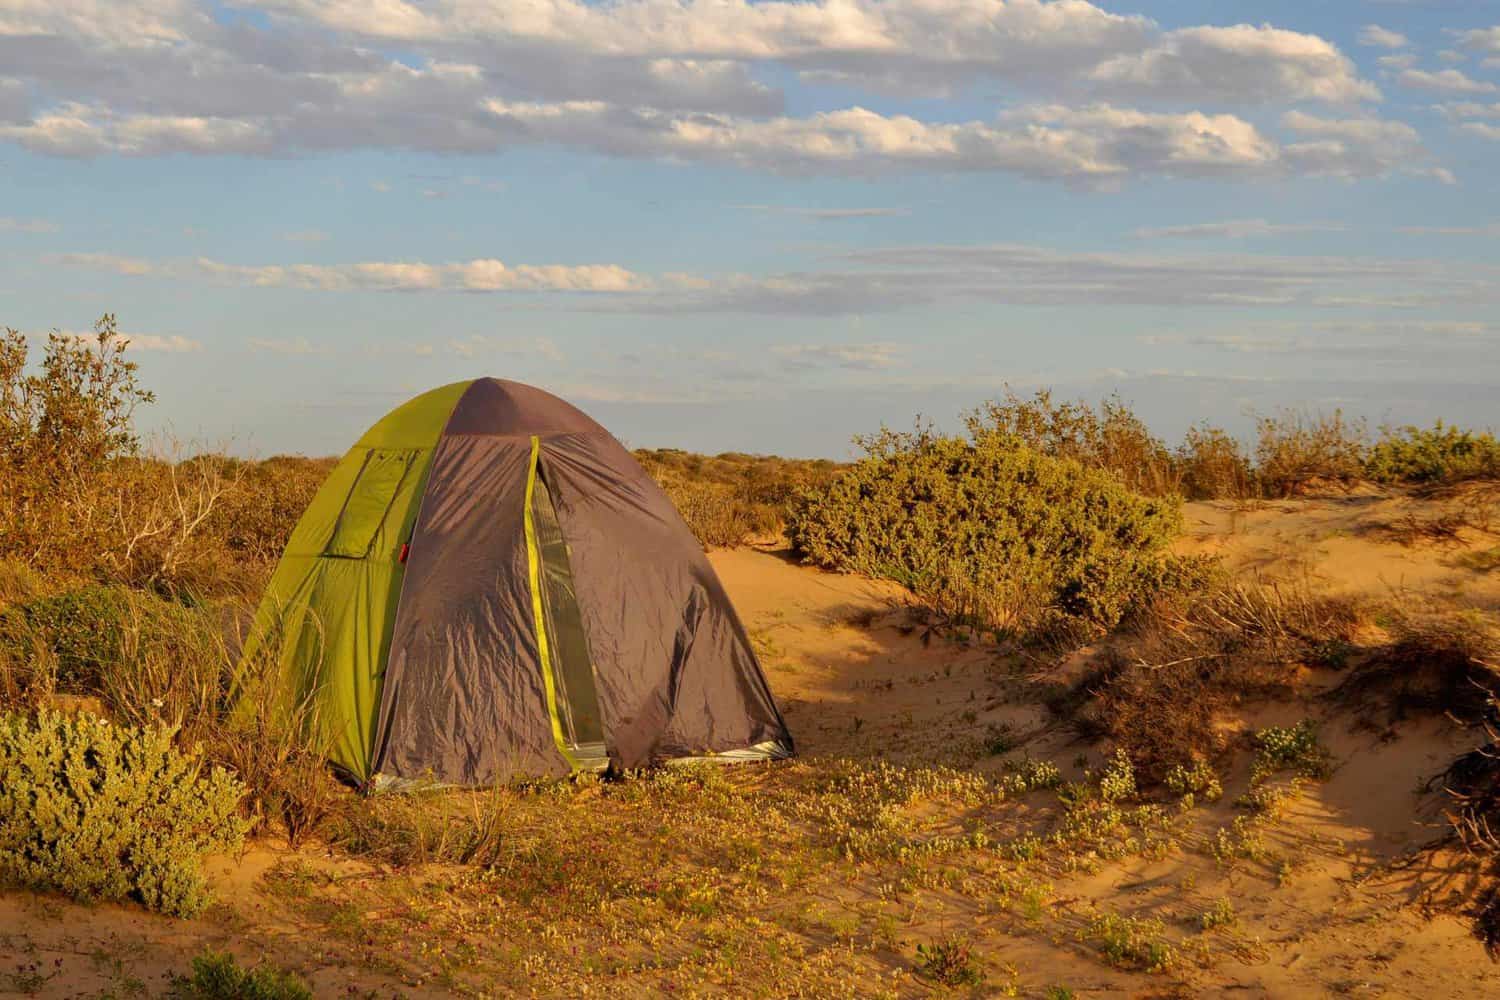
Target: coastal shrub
728, 498
1294, 449
1111, 437
1212, 465
104, 812
147, 658
990, 531
1438, 454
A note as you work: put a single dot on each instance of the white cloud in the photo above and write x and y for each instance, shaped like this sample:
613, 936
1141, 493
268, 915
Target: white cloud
1242, 63
146, 79
482, 345
1470, 109
1482, 129
859, 357
1094, 144
901, 277
1481, 39
1382, 38
1447, 81
171, 343
1492, 229
480, 275
8, 225
293, 347
1400, 60
162, 343
895, 278
80, 130
830, 214
1356, 147
1235, 229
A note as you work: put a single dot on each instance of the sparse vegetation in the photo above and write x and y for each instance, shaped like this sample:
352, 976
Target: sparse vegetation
1050, 522
1294, 450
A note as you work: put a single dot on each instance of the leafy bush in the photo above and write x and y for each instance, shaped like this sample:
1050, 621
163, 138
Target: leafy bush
82, 629
99, 811
148, 658
1440, 454
83, 499
1294, 449
990, 531
217, 976
253, 522
1213, 466
1133, 942
730, 497
1113, 439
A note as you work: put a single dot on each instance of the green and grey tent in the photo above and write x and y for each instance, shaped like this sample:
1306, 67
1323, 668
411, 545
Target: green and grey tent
488, 585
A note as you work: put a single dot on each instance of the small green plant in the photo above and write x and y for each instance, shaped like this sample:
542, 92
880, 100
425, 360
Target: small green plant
1058, 993
1030, 775
999, 740
1133, 942
1295, 748
1200, 779
83, 630
99, 811
1117, 783
949, 961
218, 976
1332, 653
1221, 914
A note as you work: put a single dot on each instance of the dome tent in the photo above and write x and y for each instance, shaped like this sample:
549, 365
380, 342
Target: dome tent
488, 585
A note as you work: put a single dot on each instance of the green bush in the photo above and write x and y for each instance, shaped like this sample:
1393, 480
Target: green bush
217, 976
82, 628
99, 811
149, 658
728, 498
1440, 454
990, 531
1111, 438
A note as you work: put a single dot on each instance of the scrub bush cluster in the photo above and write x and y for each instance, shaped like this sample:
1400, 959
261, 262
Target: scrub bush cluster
99, 811
990, 531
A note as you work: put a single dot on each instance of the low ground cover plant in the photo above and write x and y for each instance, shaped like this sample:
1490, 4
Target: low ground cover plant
218, 976
99, 811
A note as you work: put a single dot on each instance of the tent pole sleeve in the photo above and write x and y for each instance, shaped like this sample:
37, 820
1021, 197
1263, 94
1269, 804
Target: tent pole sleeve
534, 566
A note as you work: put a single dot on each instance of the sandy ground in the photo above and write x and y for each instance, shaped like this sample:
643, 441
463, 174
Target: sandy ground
1350, 914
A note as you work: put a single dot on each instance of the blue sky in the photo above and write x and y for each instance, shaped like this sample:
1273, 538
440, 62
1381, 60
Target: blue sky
759, 226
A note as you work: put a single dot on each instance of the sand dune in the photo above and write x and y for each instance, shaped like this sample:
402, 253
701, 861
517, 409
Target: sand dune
1348, 904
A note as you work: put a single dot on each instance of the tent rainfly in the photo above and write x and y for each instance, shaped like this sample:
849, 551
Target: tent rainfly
489, 586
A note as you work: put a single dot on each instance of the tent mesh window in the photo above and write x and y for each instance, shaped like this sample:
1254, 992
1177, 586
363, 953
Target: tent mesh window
573, 669
365, 508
